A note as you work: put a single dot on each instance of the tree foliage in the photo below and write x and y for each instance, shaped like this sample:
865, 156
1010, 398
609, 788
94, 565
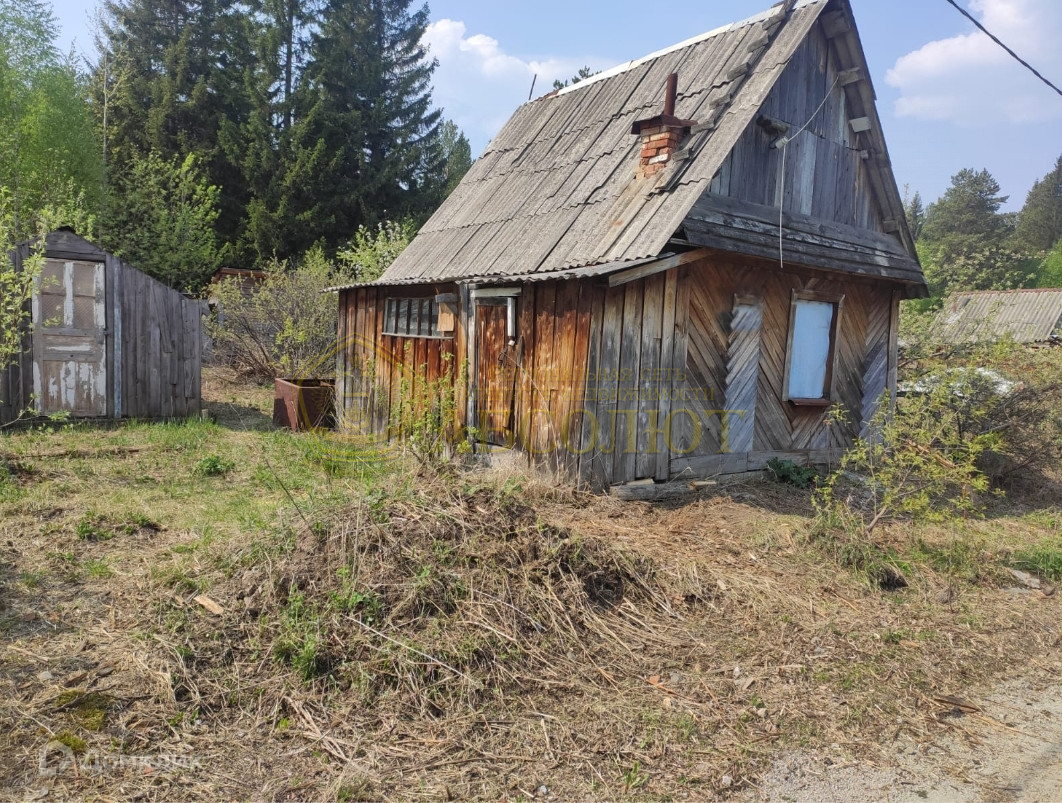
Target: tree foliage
281, 327
1050, 272
49, 159
965, 242
162, 220
311, 119
1040, 220
366, 147
183, 65
456, 155
372, 251
915, 211
15, 286
581, 75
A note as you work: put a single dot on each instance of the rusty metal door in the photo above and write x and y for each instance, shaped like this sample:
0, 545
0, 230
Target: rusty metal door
495, 372
69, 339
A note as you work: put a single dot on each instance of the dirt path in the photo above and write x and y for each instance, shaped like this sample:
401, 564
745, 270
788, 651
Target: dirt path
1010, 751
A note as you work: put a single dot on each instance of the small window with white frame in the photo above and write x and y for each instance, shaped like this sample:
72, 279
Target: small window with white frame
416, 317
814, 322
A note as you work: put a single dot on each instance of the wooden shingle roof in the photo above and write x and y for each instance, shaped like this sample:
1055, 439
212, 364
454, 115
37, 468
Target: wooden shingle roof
555, 189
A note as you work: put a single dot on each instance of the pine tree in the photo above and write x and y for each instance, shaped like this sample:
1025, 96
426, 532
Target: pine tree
967, 239
915, 211
182, 88
1040, 220
456, 153
364, 146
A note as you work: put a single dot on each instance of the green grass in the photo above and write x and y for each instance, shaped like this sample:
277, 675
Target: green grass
192, 476
1044, 559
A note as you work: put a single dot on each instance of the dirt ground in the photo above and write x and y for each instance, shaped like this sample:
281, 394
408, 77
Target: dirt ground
1010, 750
259, 623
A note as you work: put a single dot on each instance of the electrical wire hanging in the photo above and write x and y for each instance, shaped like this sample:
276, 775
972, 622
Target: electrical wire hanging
996, 39
783, 144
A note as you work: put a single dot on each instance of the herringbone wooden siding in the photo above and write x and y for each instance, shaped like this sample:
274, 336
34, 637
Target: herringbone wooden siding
743, 368
622, 383
861, 368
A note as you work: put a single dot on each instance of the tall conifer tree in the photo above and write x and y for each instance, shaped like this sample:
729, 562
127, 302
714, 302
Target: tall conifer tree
364, 145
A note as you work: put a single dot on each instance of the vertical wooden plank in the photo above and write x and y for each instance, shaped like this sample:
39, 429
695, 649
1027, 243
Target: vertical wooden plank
649, 379
667, 379
130, 337
344, 355
197, 359
573, 444
592, 387
116, 335
743, 371
460, 367
564, 337
525, 344
544, 380
152, 322
680, 429
468, 315
109, 307
363, 364
894, 335
624, 468
608, 386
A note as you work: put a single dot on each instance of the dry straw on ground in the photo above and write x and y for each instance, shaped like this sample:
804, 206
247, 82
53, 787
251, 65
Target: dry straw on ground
488, 638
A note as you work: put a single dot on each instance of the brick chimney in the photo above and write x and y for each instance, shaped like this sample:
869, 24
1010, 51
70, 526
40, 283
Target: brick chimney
661, 135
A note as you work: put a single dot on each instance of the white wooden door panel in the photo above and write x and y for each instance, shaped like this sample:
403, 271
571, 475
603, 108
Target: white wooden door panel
69, 339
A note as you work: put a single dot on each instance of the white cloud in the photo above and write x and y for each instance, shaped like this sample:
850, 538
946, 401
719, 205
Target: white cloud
479, 85
969, 80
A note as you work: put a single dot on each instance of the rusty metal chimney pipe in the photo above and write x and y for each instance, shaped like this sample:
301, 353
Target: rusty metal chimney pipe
672, 94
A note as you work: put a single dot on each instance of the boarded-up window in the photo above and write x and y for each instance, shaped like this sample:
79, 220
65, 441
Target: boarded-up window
413, 317
813, 327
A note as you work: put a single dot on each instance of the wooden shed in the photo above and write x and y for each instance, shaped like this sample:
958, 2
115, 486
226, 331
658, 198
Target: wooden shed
673, 269
988, 316
106, 341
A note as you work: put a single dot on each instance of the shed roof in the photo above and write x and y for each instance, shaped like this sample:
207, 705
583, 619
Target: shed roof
1027, 316
555, 189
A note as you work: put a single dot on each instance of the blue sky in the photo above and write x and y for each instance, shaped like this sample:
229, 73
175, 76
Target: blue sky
948, 97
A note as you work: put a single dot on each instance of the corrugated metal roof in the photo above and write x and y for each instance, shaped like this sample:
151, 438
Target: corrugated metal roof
556, 190
1027, 316
588, 271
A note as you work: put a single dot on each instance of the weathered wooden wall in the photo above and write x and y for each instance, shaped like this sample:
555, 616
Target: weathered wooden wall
633, 381
865, 351
154, 350
153, 342
826, 175
375, 373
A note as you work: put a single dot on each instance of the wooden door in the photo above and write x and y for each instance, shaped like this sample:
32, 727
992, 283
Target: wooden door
69, 339
495, 372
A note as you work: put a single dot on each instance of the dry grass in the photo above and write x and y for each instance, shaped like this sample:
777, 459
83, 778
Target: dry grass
389, 634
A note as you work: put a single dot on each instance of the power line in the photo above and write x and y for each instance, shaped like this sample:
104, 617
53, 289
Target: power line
996, 39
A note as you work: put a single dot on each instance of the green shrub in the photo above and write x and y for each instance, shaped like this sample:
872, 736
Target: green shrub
283, 327
788, 472
922, 462
214, 466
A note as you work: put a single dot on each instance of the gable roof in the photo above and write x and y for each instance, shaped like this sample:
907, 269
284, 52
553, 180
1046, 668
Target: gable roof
555, 190
1027, 316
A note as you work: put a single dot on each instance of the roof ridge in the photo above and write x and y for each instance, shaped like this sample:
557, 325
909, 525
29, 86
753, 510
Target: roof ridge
619, 69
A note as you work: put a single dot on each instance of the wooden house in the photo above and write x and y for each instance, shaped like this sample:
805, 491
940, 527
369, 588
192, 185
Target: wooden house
105, 340
672, 269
